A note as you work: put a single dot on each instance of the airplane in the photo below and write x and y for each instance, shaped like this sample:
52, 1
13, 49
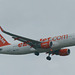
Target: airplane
52, 45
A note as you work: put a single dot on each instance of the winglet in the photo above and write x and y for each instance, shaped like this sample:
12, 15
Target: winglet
1, 29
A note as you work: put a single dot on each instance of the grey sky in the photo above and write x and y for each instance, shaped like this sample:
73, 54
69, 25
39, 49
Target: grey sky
37, 19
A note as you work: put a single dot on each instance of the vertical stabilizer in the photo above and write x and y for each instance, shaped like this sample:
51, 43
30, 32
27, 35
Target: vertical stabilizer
3, 42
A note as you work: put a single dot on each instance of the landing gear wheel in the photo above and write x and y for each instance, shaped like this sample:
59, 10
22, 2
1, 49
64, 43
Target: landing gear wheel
36, 53
48, 58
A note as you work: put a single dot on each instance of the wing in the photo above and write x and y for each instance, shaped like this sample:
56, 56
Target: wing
33, 43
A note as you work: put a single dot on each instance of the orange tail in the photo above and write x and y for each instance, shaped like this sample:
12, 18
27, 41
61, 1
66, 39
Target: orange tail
3, 42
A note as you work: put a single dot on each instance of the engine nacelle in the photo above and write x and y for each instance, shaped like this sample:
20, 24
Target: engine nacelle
63, 52
47, 44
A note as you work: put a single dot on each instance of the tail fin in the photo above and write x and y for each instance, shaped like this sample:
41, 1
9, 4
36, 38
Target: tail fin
3, 42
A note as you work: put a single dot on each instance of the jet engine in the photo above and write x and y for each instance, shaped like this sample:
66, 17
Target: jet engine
47, 44
62, 52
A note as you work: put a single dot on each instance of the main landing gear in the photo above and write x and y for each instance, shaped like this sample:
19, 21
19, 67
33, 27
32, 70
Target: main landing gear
48, 57
36, 53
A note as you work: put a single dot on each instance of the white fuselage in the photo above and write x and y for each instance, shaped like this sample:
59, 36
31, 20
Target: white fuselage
58, 43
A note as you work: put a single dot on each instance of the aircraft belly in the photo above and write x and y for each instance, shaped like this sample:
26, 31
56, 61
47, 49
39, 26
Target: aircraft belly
17, 51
